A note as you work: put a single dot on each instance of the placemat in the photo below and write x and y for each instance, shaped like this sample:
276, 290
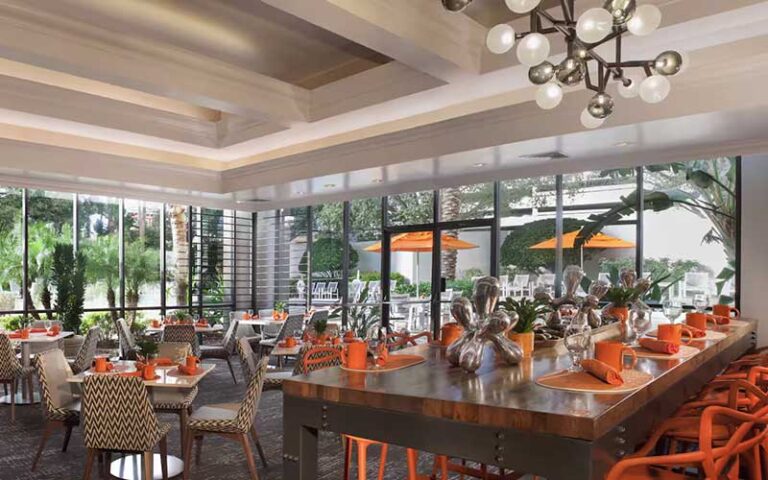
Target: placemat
586, 383
394, 362
684, 352
711, 335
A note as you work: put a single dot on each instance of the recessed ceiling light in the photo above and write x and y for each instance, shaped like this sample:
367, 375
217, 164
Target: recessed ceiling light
479, 165
377, 180
329, 185
623, 144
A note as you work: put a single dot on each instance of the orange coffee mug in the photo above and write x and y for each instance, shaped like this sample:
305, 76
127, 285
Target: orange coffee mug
149, 372
101, 364
612, 353
24, 333
673, 333
697, 320
192, 362
356, 356
449, 333
725, 311
290, 342
155, 323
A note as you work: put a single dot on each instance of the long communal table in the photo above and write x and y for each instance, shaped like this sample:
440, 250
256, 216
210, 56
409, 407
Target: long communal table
498, 416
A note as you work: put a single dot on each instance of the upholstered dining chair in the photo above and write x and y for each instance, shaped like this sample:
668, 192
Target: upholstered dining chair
12, 372
249, 362
182, 333
61, 407
118, 417
290, 325
87, 351
128, 348
233, 421
177, 401
225, 350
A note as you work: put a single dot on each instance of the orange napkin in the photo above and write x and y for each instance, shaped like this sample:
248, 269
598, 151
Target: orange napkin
602, 371
202, 324
137, 373
661, 346
697, 332
186, 371
14, 335
38, 330
164, 362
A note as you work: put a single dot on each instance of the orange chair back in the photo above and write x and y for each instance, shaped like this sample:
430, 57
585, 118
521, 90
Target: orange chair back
396, 340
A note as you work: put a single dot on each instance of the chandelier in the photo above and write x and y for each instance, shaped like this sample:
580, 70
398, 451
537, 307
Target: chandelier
595, 27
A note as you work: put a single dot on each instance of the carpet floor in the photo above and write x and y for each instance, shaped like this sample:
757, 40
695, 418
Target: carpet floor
221, 458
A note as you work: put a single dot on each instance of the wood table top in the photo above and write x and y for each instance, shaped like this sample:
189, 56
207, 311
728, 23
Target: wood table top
500, 395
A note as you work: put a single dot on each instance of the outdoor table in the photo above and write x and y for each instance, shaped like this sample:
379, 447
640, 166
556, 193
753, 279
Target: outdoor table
498, 415
26, 347
200, 331
129, 467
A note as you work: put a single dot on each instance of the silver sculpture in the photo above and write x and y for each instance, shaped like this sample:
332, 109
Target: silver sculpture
486, 326
596, 292
572, 276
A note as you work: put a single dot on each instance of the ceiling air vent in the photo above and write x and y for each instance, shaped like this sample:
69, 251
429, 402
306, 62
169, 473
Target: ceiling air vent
554, 155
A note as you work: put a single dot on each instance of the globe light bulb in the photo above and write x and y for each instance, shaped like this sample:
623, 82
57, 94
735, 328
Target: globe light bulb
549, 95
629, 91
533, 49
645, 20
588, 121
654, 89
594, 25
522, 6
500, 38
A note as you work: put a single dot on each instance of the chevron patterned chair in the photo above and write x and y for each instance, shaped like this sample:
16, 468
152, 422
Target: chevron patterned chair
128, 348
12, 372
182, 333
118, 417
233, 421
61, 407
172, 400
87, 351
290, 325
225, 350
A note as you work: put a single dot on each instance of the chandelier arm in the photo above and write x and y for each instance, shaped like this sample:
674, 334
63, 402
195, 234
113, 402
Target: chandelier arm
588, 81
568, 9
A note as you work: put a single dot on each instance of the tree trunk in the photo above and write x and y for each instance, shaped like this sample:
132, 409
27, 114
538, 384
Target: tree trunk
450, 208
111, 302
179, 224
131, 301
31, 304
45, 299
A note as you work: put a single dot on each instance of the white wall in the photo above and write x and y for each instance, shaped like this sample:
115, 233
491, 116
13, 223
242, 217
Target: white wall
754, 241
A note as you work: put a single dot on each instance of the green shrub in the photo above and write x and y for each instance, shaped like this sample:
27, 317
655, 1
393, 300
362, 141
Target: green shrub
461, 287
327, 259
103, 320
11, 322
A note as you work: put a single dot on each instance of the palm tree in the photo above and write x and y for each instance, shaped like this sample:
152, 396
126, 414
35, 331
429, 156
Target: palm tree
179, 225
142, 267
102, 266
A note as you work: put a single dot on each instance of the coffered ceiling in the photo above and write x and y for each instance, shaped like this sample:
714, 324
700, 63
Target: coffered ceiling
230, 101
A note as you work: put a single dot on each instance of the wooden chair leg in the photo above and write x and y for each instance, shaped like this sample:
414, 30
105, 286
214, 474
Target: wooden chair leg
198, 448
249, 457
148, 460
13, 400
43, 439
164, 456
231, 370
89, 463
256, 441
183, 419
30, 389
67, 436
188, 453
383, 460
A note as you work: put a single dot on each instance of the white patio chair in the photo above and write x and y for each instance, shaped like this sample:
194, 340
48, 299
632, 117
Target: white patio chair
520, 283
546, 280
332, 291
696, 282
319, 291
505, 286
604, 277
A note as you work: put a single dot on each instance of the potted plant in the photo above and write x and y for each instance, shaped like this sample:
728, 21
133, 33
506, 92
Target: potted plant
528, 313
68, 276
321, 325
360, 317
620, 297
279, 311
148, 351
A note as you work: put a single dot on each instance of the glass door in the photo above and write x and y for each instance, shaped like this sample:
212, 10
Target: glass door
407, 279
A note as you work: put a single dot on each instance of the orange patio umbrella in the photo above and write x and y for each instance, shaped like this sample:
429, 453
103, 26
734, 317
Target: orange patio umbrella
599, 240
418, 242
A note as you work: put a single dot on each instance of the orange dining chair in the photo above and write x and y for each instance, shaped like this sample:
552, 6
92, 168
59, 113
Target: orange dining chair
721, 461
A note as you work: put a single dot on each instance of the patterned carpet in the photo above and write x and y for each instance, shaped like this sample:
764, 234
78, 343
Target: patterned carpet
221, 458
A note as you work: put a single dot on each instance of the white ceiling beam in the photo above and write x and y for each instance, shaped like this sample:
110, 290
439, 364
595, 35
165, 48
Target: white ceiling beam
39, 99
75, 48
417, 33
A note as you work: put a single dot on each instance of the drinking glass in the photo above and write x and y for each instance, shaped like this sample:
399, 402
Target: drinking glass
673, 308
250, 313
640, 322
375, 338
48, 324
700, 302
577, 338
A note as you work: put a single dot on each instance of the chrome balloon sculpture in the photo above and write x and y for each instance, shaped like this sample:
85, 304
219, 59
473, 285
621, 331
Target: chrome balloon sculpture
484, 325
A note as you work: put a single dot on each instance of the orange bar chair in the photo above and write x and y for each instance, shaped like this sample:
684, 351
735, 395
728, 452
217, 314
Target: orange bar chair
747, 440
